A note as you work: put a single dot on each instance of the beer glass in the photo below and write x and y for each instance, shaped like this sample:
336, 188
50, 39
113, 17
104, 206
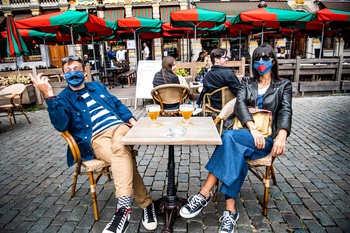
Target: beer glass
186, 111
153, 113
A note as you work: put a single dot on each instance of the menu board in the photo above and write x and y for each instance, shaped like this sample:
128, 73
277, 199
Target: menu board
146, 69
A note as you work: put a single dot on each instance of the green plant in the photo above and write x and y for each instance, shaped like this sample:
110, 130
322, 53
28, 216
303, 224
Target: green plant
32, 109
13, 79
181, 72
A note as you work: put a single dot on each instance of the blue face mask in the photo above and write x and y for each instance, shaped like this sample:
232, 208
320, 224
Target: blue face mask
74, 78
263, 66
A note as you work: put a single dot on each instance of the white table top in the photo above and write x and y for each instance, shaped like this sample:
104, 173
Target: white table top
202, 132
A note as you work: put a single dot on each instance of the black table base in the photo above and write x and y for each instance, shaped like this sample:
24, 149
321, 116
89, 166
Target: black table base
170, 209
171, 204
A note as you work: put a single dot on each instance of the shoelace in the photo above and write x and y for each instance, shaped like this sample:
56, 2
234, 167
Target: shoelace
227, 222
119, 216
195, 201
149, 212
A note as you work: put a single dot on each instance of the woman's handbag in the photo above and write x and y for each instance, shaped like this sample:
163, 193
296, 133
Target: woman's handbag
262, 119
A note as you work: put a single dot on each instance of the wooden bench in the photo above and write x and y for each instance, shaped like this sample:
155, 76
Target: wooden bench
129, 75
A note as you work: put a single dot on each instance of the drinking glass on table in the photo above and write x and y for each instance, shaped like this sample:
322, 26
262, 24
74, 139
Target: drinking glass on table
186, 111
153, 113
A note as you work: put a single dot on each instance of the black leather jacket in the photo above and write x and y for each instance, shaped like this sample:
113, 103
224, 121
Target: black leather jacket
277, 99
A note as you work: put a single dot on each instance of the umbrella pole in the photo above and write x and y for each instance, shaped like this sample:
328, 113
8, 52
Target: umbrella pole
262, 33
71, 35
93, 50
195, 41
322, 38
46, 54
291, 44
240, 44
188, 48
136, 52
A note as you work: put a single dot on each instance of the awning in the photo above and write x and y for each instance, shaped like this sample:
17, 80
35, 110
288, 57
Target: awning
114, 14
343, 6
144, 12
234, 8
165, 12
22, 16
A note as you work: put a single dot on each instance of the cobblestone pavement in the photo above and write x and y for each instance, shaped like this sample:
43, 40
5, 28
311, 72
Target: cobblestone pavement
312, 195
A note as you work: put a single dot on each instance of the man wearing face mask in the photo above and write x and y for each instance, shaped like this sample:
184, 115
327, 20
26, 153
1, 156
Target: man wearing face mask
98, 121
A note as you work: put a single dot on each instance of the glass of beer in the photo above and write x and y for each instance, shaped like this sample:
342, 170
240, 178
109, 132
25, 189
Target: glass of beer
153, 111
186, 111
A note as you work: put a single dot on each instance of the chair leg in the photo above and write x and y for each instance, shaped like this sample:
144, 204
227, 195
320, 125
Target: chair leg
9, 117
266, 182
22, 111
75, 179
93, 194
273, 175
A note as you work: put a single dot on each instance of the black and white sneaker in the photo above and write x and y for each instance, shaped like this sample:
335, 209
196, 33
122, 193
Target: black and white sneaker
228, 222
195, 204
149, 218
119, 222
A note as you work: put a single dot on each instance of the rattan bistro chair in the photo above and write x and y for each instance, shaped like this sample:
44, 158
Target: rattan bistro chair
226, 96
13, 95
93, 168
262, 168
170, 94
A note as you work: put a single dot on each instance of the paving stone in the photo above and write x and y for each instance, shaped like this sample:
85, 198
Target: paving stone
313, 180
314, 226
323, 218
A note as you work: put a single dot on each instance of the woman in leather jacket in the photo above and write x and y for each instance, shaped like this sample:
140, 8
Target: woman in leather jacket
265, 90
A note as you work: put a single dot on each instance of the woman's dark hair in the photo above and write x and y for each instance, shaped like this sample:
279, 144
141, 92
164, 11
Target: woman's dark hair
217, 53
200, 56
167, 67
266, 49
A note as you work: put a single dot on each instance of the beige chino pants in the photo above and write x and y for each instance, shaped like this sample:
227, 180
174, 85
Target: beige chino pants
127, 180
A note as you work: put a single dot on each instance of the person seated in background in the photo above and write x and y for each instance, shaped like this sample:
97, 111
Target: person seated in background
98, 121
265, 90
166, 75
219, 76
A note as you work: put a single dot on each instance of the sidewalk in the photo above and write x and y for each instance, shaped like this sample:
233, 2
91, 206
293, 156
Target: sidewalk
312, 192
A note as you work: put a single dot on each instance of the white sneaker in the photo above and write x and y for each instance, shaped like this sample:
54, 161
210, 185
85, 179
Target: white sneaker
149, 218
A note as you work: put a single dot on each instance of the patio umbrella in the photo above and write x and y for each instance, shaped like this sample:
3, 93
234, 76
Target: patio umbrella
336, 17
138, 24
15, 44
262, 16
196, 17
69, 22
27, 34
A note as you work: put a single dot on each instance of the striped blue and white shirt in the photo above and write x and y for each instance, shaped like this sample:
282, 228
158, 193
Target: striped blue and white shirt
101, 118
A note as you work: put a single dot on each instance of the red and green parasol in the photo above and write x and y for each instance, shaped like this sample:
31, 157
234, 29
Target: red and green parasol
138, 25
334, 17
69, 22
15, 44
195, 18
276, 17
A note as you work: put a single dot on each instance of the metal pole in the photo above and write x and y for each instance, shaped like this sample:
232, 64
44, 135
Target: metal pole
240, 44
322, 38
93, 50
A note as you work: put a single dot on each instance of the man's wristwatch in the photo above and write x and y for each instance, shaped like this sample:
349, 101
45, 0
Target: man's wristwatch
253, 127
